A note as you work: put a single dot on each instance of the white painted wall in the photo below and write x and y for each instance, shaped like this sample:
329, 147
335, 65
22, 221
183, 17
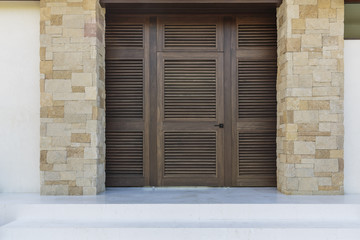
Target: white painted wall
352, 116
19, 97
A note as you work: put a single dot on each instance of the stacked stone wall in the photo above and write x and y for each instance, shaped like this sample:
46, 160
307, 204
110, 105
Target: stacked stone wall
310, 97
72, 97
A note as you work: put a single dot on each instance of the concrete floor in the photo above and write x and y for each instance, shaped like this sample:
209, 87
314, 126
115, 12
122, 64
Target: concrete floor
180, 195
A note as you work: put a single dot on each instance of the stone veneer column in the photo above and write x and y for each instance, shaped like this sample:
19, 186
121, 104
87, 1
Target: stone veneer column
310, 96
72, 97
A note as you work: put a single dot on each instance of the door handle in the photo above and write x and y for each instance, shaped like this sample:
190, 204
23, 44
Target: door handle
221, 125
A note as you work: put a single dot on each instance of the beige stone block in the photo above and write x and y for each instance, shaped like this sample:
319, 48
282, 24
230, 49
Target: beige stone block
301, 147
337, 106
318, 105
337, 4
76, 118
298, 24
306, 116
73, 33
75, 191
81, 79
293, 45
304, 172
336, 153
46, 99
311, 40
292, 103
75, 152
91, 93
323, 3
76, 164
56, 156
299, 92
304, 165
292, 184
325, 116
95, 113
300, 58
68, 60
328, 62
324, 142
80, 137
91, 153
55, 112
91, 126
45, 142
324, 181
291, 136
308, 11
338, 179
57, 129
327, 13
69, 175
308, 127
61, 74
291, 127
73, 21
326, 165
69, 96
317, 24
337, 79
303, 2
330, 41
89, 191
52, 176
53, 86
56, 20
78, 89
53, 30
326, 91
322, 76
54, 190
324, 127
46, 67
337, 29
78, 107
60, 167
308, 184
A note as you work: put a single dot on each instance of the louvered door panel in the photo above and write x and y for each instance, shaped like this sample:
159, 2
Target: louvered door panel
190, 33
257, 35
190, 36
190, 88
126, 84
124, 153
257, 89
257, 152
124, 88
190, 153
255, 97
124, 35
190, 98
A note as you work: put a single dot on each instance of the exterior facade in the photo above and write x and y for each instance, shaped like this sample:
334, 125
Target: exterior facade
310, 97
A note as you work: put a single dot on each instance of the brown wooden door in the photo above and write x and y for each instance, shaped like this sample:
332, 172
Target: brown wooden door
127, 101
171, 81
190, 101
254, 72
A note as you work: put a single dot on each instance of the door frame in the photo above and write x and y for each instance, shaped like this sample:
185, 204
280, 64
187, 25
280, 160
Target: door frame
229, 64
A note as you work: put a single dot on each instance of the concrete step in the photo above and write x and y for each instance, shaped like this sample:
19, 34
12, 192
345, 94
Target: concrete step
210, 230
180, 214
186, 212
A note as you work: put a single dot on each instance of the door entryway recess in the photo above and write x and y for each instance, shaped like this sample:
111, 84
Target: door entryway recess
191, 99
